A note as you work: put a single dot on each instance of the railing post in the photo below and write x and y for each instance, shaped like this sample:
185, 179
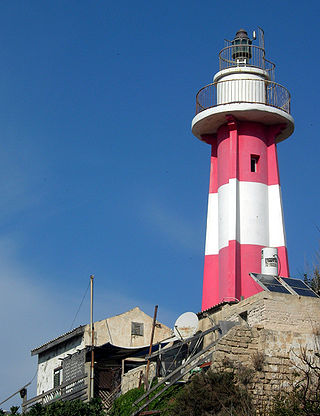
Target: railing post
23, 395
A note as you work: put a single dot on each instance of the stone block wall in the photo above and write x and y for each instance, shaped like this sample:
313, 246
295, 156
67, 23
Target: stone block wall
272, 310
132, 378
265, 360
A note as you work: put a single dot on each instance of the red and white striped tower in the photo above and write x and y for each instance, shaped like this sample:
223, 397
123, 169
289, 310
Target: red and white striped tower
243, 114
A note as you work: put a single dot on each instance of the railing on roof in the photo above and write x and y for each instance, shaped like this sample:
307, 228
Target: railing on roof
255, 58
243, 91
194, 358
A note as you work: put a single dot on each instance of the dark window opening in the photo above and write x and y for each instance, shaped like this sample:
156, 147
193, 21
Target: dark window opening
244, 316
57, 377
254, 163
137, 328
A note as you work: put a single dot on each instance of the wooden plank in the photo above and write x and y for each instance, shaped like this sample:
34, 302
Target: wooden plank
189, 359
55, 389
75, 395
167, 386
70, 396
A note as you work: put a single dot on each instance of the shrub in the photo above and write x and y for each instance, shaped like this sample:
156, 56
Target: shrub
122, 406
258, 359
304, 399
213, 394
59, 408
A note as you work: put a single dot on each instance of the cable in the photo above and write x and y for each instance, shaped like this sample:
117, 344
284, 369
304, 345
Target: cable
18, 391
279, 265
174, 358
28, 384
85, 293
230, 297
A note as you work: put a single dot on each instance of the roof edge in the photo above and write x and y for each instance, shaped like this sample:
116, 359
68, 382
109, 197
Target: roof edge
215, 308
62, 338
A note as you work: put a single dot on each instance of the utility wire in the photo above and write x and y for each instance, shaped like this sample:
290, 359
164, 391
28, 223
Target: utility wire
18, 391
85, 293
28, 384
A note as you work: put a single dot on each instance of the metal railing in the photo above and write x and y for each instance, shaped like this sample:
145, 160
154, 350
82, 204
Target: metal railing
74, 389
256, 58
243, 91
191, 361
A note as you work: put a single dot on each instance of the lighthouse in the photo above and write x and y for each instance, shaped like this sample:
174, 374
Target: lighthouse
243, 114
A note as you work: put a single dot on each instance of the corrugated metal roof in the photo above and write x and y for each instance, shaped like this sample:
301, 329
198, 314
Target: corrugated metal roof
61, 338
215, 308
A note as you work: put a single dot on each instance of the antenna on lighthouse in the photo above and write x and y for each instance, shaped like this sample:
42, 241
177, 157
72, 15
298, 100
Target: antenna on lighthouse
261, 37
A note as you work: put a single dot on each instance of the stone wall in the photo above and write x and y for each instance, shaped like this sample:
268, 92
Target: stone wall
266, 345
134, 377
272, 310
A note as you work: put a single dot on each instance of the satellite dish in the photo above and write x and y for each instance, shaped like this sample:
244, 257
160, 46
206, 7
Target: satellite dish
186, 325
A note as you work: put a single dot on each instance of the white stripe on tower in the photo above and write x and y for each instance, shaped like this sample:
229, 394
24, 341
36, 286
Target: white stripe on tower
212, 237
258, 223
277, 235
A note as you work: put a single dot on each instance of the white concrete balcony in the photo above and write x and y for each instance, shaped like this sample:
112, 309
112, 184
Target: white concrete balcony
247, 94
243, 90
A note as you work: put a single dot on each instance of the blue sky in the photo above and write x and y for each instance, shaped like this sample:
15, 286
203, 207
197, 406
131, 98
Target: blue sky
99, 171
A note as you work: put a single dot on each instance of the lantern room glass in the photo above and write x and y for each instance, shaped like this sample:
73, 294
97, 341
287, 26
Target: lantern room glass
241, 49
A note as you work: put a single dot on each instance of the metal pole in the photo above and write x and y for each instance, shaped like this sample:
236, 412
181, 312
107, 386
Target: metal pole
92, 339
151, 342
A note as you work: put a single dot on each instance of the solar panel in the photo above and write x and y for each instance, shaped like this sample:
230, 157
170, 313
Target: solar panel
286, 285
269, 283
298, 287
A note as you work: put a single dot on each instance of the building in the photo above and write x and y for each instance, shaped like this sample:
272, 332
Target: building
64, 362
242, 115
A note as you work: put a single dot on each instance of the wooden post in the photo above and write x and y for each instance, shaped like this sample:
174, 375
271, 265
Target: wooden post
151, 343
92, 340
23, 395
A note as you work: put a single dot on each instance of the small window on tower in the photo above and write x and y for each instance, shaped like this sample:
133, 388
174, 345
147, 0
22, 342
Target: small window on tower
137, 328
254, 163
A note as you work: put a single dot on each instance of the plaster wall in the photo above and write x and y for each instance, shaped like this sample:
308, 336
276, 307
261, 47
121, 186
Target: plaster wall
50, 360
117, 330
